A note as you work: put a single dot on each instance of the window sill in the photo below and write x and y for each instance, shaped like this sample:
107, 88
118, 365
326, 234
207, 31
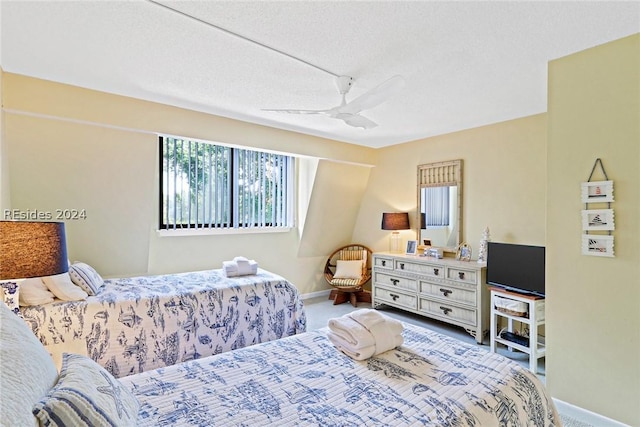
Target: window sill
220, 231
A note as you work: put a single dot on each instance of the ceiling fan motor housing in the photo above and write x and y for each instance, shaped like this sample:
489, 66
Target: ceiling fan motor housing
344, 84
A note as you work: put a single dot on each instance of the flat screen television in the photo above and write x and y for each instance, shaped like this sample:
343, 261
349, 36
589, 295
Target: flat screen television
517, 268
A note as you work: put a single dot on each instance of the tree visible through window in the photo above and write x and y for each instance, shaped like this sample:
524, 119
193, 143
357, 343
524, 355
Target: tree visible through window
204, 185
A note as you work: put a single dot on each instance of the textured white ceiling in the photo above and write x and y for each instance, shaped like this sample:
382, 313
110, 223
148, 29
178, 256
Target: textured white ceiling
466, 64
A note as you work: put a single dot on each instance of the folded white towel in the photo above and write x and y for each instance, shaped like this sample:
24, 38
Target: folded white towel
364, 333
233, 269
368, 317
361, 353
383, 328
244, 265
351, 332
229, 268
364, 352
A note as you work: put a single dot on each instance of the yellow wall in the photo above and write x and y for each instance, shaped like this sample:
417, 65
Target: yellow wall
504, 175
5, 197
593, 307
72, 148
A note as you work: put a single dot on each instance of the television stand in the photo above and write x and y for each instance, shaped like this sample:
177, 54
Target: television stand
534, 317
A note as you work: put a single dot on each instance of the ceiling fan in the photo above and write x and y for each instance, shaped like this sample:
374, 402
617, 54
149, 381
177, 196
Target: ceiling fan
349, 112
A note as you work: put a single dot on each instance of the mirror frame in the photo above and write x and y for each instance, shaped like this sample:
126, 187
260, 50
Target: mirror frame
441, 174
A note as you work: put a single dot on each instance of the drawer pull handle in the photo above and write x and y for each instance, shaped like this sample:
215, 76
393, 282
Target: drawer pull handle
436, 271
461, 275
394, 296
395, 281
446, 292
384, 263
446, 310
402, 266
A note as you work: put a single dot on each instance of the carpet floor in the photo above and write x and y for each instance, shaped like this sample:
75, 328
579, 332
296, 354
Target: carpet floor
319, 310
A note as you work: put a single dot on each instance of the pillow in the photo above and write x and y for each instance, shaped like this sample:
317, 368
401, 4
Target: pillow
34, 292
62, 287
11, 295
86, 394
348, 269
84, 276
27, 370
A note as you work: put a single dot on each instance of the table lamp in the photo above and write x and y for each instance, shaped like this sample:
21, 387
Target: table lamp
30, 249
395, 221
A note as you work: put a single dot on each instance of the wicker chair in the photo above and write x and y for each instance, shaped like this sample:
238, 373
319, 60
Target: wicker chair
349, 289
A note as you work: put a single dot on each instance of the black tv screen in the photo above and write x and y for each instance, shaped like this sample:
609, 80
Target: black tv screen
519, 268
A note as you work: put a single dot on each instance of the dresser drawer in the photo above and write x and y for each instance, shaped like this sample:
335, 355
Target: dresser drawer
380, 262
391, 281
395, 297
451, 293
447, 311
435, 271
461, 275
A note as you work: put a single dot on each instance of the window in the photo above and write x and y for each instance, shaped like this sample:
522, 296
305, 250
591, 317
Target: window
207, 186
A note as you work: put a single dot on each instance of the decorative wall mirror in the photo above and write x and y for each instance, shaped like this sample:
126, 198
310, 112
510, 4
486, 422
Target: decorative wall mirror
439, 213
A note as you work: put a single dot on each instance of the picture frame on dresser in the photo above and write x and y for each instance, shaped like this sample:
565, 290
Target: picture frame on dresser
412, 247
464, 252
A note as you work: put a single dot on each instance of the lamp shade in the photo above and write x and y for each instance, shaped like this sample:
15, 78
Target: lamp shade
32, 249
395, 221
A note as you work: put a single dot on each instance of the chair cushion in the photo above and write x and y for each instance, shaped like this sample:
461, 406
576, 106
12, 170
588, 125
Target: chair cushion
348, 269
345, 283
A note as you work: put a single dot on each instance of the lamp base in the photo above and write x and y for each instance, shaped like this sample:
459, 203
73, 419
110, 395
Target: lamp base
394, 242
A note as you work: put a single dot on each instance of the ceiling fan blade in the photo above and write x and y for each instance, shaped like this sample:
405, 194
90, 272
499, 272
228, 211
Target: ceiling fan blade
297, 111
355, 120
375, 96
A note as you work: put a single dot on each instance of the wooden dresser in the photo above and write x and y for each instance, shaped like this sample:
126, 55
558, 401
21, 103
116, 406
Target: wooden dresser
445, 289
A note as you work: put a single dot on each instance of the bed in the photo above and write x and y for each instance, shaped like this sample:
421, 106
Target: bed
431, 379
147, 322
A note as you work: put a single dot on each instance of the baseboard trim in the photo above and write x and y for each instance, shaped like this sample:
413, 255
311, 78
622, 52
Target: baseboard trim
586, 416
316, 294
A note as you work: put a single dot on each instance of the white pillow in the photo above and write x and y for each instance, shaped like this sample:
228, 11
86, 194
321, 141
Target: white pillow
28, 372
34, 292
86, 277
348, 269
62, 287
86, 394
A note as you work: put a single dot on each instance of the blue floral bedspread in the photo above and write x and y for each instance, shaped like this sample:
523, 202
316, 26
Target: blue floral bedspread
142, 323
431, 380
